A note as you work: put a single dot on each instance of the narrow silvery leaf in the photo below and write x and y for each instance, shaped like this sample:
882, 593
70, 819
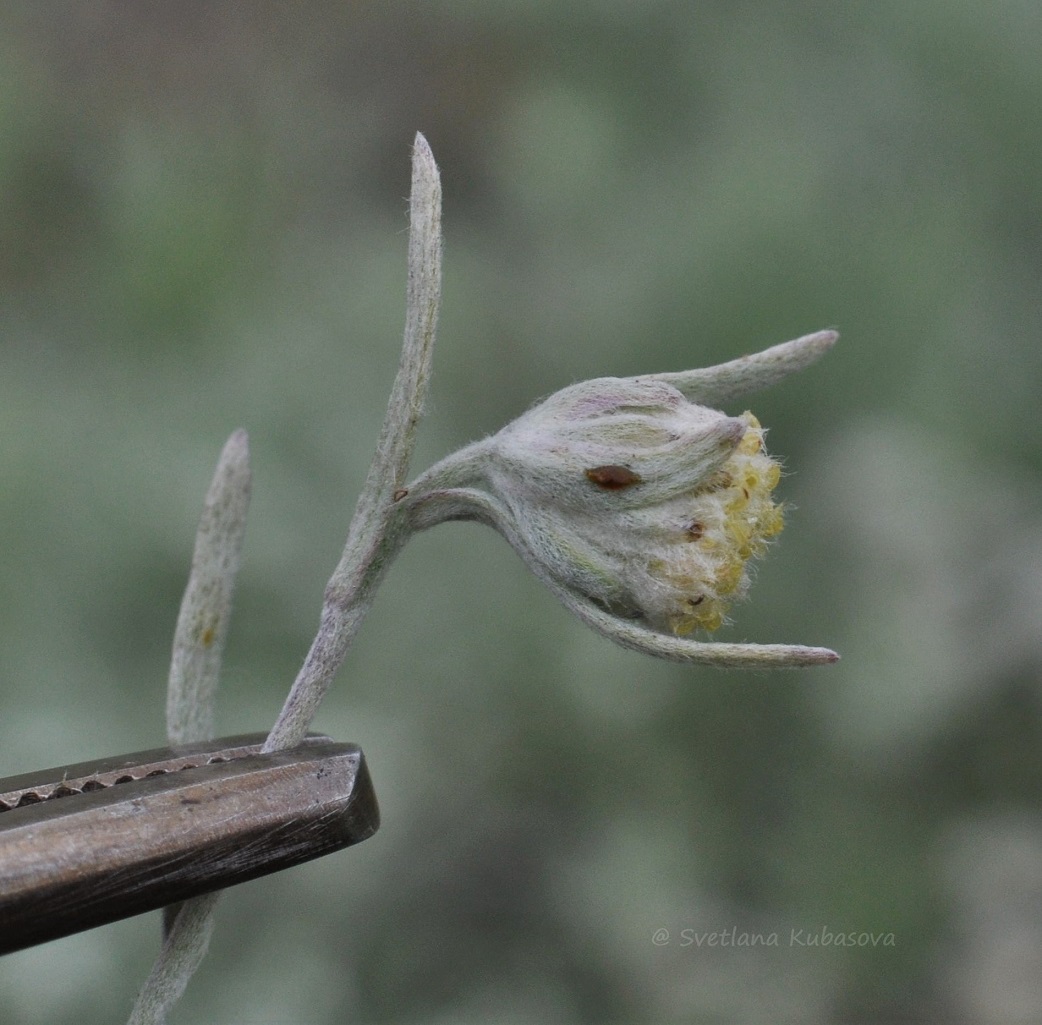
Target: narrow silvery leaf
376, 531
202, 624
720, 654
726, 381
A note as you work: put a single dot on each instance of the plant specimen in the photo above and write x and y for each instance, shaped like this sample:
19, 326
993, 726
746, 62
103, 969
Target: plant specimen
638, 504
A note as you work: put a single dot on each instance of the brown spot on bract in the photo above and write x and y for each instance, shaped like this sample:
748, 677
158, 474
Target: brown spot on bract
612, 478
400, 494
208, 635
695, 531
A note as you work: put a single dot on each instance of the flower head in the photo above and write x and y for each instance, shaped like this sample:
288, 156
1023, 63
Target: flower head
644, 502
637, 504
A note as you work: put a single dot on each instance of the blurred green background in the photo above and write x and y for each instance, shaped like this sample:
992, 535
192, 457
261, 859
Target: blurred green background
202, 227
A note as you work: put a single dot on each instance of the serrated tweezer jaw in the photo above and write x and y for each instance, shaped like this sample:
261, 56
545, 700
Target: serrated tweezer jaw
83, 845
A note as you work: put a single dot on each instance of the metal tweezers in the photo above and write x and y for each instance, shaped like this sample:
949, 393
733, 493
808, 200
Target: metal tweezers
83, 845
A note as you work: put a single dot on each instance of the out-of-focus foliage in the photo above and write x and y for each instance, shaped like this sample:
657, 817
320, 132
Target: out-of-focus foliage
202, 227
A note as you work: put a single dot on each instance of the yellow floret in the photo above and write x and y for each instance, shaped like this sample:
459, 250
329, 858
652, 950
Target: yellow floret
736, 516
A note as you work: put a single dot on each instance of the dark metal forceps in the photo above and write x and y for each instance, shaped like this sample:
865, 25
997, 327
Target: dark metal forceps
86, 844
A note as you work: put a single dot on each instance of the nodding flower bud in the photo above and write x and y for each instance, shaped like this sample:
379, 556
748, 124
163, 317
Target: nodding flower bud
637, 504
647, 504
